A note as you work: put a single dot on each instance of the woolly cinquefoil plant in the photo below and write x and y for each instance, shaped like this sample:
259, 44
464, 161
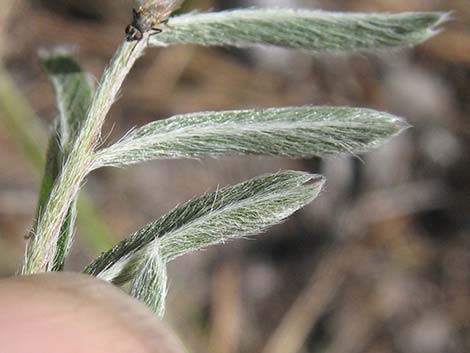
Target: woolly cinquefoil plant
76, 148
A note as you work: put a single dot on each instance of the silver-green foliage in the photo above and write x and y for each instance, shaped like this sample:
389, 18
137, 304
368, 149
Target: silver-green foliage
150, 281
74, 92
297, 132
301, 29
230, 212
44, 245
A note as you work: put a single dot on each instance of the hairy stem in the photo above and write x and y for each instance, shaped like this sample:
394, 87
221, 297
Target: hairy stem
42, 246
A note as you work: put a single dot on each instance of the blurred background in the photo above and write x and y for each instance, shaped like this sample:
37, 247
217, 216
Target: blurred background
378, 263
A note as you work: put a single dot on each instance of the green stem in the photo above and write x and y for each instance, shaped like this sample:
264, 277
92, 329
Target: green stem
22, 123
42, 247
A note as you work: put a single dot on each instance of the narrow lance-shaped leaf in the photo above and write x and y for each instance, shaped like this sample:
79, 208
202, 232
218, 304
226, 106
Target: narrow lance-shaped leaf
230, 212
74, 92
297, 132
25, 129
55, 158
42, 248
150, 282
301, 29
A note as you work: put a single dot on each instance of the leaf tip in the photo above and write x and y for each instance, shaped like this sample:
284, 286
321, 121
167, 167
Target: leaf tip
400, 124
59, 60
443, 17
317, 180
435, 22
314, 185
